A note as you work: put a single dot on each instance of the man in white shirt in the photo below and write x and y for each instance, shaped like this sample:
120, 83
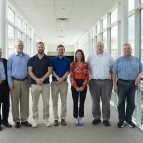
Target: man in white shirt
100, 83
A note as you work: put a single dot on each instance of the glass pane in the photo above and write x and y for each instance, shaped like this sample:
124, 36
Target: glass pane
11, 15
105, 23
29, 32
131, 4
114, 16
114, 42
141, 1
142, 35
19, 35
25, 28
29, 47
10, 40
98, 28
105, 41
131, 32
19, 23
98, 39
92, 33
25, 43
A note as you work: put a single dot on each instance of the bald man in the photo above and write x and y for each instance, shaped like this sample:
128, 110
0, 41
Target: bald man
100, 83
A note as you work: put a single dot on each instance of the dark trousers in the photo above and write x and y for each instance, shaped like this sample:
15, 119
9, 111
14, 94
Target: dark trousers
4, 102
126, 92
78, 112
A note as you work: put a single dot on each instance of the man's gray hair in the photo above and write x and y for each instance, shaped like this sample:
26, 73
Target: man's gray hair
19, 41
127, 44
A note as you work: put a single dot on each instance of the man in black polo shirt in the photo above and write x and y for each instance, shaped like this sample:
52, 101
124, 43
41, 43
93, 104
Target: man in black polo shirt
39, 69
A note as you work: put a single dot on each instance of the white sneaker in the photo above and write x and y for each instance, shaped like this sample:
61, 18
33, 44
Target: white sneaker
35, 124
47, 123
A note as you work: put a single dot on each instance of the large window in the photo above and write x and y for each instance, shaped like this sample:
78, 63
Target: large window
25, 43
131, 32
98, 39
114, 42
105, 41
19, 23
114, 16
11, 15
104, 23
98, 28
131, 4
142, 35
19, 35
25, 28
10, 40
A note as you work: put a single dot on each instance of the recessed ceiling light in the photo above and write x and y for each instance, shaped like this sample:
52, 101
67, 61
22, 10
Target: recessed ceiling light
62, 25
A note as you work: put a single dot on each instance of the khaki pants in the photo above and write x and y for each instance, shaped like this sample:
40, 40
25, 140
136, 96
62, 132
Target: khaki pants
62, 89
45, 92
20, 93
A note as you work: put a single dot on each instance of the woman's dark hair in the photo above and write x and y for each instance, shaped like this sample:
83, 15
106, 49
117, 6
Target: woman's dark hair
83, 57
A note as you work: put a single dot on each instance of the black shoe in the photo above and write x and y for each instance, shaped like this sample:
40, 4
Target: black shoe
17, 124
106, 123
0, 128
96, 121
27, 124
130, 124
120, 124
6, 124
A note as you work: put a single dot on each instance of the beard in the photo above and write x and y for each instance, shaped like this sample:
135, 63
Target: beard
40, 52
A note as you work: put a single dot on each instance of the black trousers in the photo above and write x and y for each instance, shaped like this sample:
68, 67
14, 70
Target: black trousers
4, 102
78, 112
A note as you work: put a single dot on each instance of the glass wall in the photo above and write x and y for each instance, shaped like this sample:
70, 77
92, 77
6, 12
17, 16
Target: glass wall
105, 23
131, 32
114, 42
142, 35
114, 16
11, 15
131, 4
19, 23
105, 41
10, 49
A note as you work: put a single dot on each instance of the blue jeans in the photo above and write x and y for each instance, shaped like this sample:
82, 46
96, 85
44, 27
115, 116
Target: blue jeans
126, 92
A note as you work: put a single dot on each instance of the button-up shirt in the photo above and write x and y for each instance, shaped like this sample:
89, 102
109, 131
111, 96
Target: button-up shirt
17, 66
2, 71
100, 65
40, 67
127, 69
60, 66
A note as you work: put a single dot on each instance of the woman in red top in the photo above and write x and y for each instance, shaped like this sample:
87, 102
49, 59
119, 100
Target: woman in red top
79, 76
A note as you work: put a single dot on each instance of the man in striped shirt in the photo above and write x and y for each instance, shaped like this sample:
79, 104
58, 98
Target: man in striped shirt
128, 69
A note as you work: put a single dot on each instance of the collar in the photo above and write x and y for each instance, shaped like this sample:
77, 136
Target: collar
57, 57
126, 58
37, 56
100, 54
23, 54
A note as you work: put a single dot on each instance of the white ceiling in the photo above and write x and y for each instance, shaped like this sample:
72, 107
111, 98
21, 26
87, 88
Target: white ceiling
81, 15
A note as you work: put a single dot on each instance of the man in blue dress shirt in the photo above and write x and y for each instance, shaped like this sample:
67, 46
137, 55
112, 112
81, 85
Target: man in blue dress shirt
129, 71
4, 93
61, 68
19, 85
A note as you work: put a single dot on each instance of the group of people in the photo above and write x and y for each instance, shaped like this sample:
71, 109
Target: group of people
99, 71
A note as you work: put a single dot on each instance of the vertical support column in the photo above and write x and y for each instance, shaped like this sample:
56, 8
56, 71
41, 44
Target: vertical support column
108, 33
3, 26
124, 22
137, 27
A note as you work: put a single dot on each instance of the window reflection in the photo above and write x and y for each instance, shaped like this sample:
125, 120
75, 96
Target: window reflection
114, 42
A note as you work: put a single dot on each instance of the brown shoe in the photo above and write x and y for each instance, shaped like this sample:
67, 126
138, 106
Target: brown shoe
63, 122
56, 123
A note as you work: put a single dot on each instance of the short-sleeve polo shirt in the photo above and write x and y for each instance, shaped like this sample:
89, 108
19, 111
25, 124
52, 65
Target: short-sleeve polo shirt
40, 67
60, 66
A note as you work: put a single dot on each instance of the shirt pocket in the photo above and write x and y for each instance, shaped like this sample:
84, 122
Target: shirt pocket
135, 66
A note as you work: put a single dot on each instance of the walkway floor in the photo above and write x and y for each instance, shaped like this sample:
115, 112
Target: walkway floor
70, 134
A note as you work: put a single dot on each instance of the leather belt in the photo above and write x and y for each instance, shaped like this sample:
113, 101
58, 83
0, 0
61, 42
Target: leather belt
3, 81
100, 79
20, 79
57, 80
126, 80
